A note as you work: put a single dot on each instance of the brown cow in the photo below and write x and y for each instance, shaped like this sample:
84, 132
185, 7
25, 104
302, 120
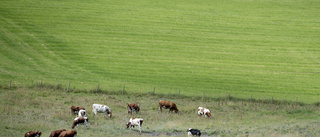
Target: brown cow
75, 109
56, 133
167, 104
68, 133
133, 107
33, 134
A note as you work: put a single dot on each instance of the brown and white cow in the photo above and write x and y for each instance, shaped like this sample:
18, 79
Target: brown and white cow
135, 122
133, 107
75, 109
204, 111
56, 133
167, 104
68, 133
33, 134
80, 120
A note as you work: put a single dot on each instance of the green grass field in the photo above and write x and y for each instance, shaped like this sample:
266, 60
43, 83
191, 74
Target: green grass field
242, 47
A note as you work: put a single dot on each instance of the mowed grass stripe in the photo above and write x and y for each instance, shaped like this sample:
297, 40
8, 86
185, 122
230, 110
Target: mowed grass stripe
220, 47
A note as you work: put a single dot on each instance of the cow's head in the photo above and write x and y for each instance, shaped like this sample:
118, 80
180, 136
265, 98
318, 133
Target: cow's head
128, 124
176, 110
109, 113
38, 133
208, 114
74, 132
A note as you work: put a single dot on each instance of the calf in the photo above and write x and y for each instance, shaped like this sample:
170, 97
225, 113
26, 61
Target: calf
204, 111
98, 108
82, 113
135, 122
75, 109
68, 133
56, 133
167, 104
133, 107
33, 134
193, 132
80, 120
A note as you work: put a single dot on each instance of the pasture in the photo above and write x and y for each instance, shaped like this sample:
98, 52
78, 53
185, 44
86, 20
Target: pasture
48, 109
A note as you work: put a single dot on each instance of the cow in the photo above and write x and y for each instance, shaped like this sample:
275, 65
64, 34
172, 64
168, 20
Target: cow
75, 109
204, 111
80, 120
82, 113
167, 104
133, 107
56, 133
135, 122
98, 108
33, 134
193, 132
68, 133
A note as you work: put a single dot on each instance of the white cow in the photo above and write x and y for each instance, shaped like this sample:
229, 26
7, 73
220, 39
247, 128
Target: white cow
135, 122
82, 113
98, 108
204, 111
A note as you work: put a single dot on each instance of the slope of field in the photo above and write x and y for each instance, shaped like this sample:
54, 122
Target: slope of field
263, 48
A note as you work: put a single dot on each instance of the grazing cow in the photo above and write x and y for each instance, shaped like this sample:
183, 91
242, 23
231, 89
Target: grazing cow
68, 133
75, 109
167, 104
204, 111
82, 113
98, 108
33, 134
56, 133
80, 120
135, 122
193, 132
133, 107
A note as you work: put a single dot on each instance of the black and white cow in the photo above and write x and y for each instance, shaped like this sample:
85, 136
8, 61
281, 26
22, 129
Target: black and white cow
193, 132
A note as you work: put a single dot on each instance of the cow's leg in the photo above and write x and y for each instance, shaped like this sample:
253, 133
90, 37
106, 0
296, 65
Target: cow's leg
95, 112
160, 108
86, 122
139, 127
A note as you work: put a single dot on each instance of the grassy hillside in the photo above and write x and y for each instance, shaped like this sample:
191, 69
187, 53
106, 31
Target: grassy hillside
48, 109
263, 48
